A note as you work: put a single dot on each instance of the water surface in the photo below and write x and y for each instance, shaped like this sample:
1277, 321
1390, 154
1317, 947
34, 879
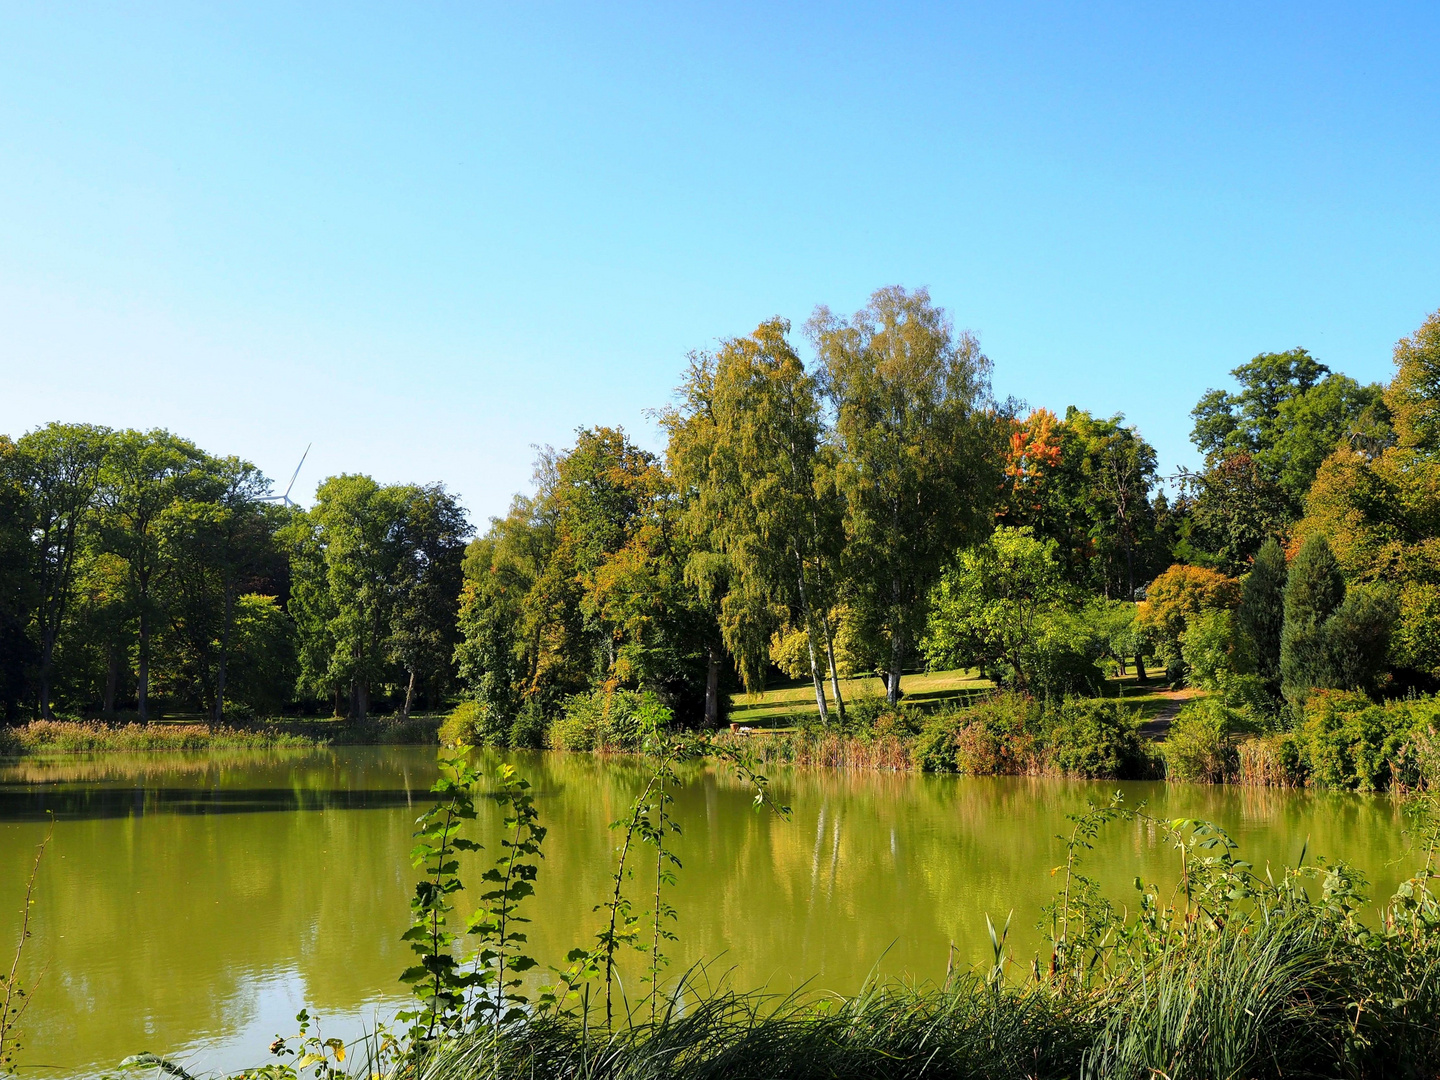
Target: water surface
190, 904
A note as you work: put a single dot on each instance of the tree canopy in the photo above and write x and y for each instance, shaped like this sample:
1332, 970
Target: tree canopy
868, 506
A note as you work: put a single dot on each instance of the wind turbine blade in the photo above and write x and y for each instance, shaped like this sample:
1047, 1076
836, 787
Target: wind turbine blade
293, 475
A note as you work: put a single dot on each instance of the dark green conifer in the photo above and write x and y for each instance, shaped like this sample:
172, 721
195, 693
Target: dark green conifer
1261, 615
1314, 588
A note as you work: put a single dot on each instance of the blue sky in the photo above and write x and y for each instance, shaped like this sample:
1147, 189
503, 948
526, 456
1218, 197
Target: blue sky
424, 237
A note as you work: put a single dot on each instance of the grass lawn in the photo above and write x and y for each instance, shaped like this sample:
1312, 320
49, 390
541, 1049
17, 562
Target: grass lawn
786, 703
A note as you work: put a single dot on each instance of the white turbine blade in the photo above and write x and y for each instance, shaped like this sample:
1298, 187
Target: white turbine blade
295, 474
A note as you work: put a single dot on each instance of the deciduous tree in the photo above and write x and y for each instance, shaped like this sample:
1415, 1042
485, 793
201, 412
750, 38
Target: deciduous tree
918, 455
61, 469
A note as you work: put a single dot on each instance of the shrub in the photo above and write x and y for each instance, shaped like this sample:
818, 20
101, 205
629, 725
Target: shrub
1094, 739
1201, 746
1350, 742
601, 720
577, 725
936, 749
864, 711
1062, 666
474, 724
999, 737
996, 736
528, 730
1212, 650
900, 723
1252, 694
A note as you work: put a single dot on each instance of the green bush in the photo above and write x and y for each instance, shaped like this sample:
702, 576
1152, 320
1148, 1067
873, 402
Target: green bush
473, 724
999, 737
996, 736
862, 712
1201, 745
1349, 741
935, 747
1252, 694
1062, 666
1212, 650
616, 720
528, 730
1094, 739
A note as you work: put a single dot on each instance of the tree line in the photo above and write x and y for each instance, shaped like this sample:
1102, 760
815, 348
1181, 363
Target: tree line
141, 574
876, 509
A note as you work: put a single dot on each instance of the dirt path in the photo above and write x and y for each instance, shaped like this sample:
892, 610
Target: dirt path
1158, 726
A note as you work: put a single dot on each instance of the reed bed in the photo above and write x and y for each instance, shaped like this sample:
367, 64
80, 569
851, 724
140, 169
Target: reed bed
826, 749
44, 737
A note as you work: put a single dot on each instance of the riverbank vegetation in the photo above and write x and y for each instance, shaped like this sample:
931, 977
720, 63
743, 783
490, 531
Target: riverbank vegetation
873, 513
41, 737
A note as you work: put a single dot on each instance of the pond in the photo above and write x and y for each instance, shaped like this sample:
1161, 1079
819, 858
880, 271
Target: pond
190, 905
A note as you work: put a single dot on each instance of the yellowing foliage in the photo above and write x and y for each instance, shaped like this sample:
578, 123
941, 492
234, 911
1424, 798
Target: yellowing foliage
1183, 591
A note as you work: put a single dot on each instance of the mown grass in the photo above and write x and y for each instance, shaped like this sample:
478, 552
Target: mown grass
793, 702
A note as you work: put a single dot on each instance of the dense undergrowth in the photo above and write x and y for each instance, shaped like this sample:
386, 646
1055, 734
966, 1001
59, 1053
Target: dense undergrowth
1334, 739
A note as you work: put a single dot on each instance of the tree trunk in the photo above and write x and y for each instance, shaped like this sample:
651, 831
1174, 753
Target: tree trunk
834, 674
815, 675
1140, 674
359, 700
47, 666
712, 691
897, 658
112, 680
142, 677
409, 695
219, 713
816, 678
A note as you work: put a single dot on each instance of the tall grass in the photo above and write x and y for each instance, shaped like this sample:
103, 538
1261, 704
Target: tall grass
75, 737
821, 748
887, 1030
40, 737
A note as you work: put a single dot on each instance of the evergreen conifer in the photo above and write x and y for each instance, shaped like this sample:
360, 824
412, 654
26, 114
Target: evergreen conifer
1261, 614
1314, 588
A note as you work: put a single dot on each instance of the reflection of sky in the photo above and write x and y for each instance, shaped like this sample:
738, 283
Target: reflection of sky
265, 1006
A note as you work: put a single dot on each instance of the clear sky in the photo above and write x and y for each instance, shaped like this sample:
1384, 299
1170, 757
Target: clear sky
424, 237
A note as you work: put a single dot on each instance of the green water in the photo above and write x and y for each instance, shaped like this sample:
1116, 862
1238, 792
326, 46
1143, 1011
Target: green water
191, 904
